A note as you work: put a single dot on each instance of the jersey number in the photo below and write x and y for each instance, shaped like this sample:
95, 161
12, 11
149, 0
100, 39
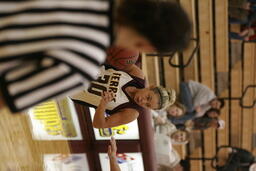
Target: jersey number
97, 89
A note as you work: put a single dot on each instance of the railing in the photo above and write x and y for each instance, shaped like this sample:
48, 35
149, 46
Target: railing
241, 99
172, 55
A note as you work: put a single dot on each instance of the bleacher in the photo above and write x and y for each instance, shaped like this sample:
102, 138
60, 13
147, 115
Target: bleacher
222, 66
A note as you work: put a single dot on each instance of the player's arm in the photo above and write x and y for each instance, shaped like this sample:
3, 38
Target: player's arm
123, 117
112, 155
135, 71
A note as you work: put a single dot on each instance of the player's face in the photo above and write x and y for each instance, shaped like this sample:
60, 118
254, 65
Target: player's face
175, 111
147, 98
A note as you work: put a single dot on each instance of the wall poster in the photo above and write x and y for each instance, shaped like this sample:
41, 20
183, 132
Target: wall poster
55, 120
126, 161
128, 131
66, 162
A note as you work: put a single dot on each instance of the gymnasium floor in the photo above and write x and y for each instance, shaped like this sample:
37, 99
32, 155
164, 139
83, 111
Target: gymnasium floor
19, 152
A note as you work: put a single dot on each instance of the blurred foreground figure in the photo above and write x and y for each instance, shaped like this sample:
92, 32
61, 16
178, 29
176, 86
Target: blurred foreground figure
55, 48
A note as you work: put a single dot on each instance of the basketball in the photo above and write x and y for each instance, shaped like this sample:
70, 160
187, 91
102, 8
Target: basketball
121, 58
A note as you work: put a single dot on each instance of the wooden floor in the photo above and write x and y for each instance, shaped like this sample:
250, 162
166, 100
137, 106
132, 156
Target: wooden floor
19, 152
227, 67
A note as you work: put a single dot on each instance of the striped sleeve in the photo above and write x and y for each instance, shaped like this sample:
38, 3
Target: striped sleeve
51, 48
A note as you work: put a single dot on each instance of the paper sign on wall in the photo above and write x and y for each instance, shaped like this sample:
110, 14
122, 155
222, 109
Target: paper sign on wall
128, 131
66, 162
55, 120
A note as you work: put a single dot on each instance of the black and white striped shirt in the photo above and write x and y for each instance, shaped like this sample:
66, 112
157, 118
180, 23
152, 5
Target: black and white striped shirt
51, 48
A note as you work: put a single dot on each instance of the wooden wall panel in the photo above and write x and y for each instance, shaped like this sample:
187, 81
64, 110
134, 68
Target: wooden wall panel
222, 64
254, 109
191, 71
152, 70
171, 74
194, 166
207, 74
249, 76
236, 111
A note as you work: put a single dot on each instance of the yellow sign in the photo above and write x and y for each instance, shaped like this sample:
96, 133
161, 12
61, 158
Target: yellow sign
55, 117
108, 132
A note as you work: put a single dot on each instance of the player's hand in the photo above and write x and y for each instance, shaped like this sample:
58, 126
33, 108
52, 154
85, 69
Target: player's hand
160, 120
107, 97
198, 109
189, 124
112, 148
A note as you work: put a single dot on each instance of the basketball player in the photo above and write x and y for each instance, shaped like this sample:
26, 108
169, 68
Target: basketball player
122, 95
55, 48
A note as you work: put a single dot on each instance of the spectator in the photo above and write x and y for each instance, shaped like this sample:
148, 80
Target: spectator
172, 113
203, 123
57, 50
180, 137
248, 34
242, 12
182, 117
239, 159
167, 157
238, 13
212, 113
199, 98
177, 136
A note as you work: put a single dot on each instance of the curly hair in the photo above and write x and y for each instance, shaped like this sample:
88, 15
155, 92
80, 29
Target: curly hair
165, 24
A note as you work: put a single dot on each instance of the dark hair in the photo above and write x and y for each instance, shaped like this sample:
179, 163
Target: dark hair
185, 164
222, 103
203, 123
213, 110
165, 24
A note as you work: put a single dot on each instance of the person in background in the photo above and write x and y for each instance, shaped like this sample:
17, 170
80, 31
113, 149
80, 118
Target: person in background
167, 157
212, 113
239, 159
203, 123
174, 111
55, 48
242, 12
237, 10
180, 137
177, 136
199, 98
247, 34
112, 155
184, 115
